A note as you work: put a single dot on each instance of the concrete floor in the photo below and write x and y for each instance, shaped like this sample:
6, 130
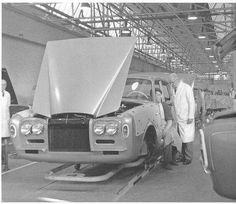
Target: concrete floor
182, 184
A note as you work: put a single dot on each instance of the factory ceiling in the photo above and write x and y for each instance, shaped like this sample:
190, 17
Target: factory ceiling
179, 37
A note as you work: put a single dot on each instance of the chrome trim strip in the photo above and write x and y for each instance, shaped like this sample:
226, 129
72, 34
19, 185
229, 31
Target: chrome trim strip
204, 160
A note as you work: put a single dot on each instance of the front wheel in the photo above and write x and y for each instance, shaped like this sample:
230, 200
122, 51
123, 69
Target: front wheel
152, 151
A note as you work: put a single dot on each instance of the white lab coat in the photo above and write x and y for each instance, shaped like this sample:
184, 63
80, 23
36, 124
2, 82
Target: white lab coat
5, 115
185, 109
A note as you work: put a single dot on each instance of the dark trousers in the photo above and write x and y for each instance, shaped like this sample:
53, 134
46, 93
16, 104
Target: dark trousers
187, 151
5, 153
174, 153
167, 154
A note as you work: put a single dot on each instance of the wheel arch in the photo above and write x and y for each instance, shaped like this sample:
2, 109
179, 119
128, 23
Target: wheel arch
150, 133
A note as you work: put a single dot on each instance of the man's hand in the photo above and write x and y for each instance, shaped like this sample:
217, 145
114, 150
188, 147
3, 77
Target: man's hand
163, 134
189, 121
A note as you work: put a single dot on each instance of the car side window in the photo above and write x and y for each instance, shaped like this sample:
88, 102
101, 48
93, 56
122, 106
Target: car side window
157, 84
165, 91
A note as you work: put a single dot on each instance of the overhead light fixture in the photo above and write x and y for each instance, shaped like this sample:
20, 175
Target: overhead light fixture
211, 56
217, 66
125, 33
201, 37
85, 5
192, 17
214, 61
208, 47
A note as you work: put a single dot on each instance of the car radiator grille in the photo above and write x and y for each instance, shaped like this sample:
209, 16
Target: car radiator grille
68, 135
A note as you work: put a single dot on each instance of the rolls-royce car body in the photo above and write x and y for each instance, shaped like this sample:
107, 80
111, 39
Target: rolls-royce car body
87, 109
218, 140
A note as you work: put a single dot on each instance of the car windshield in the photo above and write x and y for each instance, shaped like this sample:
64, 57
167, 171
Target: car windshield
138, 89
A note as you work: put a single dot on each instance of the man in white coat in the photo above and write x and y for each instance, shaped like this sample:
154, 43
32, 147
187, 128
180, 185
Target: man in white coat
184, 108
5, 117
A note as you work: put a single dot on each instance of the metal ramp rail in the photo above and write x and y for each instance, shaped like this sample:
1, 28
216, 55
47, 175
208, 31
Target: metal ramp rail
81, 176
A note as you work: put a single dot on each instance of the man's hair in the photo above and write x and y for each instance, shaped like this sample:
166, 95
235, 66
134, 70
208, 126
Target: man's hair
159, 90
173, 77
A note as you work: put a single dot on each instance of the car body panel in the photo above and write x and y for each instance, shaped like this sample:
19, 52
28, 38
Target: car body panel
74, 70
220, 143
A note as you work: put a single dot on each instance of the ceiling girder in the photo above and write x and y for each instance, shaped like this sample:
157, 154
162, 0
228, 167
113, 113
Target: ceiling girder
163, 25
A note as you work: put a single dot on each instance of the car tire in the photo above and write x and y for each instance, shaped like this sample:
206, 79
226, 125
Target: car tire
151, 146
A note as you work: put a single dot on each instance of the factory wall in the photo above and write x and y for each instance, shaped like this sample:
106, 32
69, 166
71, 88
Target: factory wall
23, 42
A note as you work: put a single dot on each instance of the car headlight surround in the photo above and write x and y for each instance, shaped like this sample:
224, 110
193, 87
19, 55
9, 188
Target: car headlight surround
37, 128
111, 128
99, 128
12, 130
26, 129
125, 130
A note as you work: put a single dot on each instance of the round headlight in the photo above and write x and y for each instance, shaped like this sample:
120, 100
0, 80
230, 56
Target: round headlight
111, 128
99, 129
26, 129
12, 130
37, 128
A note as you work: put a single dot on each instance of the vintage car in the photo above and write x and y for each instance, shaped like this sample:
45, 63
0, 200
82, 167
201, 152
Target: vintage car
218, 137
218, 140
87, 109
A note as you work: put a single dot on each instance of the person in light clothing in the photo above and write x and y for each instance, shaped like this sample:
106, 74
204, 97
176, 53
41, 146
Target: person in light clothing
5, 117
6, 101
184, 105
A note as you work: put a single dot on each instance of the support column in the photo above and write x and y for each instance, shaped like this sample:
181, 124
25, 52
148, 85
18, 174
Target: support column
234, 55
233, 69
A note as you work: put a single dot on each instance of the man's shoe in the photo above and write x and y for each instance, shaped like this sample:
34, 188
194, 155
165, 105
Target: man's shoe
167, 166
180, 159
174, 163
186, 162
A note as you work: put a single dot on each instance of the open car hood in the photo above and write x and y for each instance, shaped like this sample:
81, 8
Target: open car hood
85, 75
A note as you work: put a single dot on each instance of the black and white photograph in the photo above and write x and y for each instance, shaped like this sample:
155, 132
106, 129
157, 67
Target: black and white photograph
118, 101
